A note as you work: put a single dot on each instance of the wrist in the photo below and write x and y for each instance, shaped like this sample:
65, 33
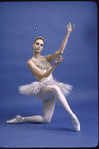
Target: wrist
68, 33
58, 52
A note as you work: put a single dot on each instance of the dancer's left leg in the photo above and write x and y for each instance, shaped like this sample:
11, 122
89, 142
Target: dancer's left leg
48, 110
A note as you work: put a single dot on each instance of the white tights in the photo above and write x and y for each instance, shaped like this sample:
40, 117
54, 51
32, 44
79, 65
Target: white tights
48, 95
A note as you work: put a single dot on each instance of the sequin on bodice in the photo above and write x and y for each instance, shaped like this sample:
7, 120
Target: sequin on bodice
44, 64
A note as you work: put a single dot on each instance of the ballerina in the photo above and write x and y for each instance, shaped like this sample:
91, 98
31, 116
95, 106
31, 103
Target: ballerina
47, 88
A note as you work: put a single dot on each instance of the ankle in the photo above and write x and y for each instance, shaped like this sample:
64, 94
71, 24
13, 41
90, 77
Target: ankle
72, 115
23, 119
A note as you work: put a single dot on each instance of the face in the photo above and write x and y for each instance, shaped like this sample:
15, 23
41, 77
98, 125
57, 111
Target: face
38, 45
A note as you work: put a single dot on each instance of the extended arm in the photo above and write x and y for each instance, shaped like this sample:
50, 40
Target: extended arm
63, 45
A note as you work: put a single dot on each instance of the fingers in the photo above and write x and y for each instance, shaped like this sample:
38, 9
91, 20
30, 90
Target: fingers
59, 59
73, 26
69, 26
56, 60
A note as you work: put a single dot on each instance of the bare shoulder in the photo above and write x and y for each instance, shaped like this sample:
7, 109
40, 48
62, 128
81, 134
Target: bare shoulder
30, 62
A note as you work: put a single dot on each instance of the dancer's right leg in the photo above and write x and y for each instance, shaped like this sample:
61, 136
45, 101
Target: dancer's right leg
53, 90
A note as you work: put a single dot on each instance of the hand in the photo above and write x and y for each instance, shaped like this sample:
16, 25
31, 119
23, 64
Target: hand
69, 27
58, 62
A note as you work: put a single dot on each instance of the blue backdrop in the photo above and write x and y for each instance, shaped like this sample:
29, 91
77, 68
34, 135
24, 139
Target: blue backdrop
21, 23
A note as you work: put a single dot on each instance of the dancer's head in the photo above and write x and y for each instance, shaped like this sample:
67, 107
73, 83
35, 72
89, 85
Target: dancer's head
38, 44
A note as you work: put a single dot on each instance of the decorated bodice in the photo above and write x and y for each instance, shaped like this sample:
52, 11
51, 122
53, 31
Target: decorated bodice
44, 64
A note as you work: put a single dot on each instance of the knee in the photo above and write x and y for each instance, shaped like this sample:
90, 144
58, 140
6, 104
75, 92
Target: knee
47, 120
55, 88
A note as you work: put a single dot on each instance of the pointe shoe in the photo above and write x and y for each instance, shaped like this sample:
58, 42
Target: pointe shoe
76, 123
17, 119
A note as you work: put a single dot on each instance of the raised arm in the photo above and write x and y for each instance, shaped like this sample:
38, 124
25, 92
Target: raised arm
63, 45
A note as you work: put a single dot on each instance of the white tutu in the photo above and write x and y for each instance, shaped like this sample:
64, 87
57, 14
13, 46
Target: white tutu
35, 87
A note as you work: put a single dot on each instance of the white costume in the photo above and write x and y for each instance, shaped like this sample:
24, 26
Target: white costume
35, 87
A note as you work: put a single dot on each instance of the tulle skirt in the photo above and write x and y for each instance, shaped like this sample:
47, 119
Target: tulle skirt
35, 87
